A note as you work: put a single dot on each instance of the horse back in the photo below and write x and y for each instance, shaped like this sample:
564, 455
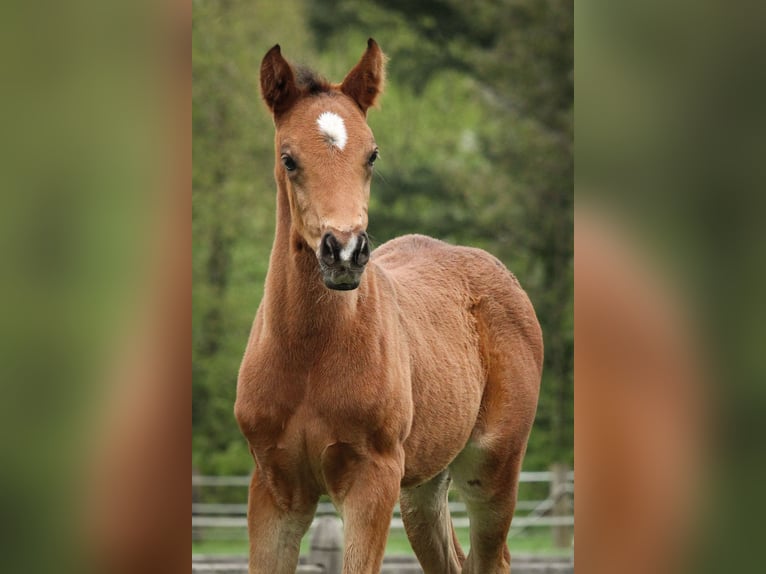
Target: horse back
461, 288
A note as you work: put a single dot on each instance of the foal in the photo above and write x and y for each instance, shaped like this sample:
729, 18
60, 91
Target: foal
376, 376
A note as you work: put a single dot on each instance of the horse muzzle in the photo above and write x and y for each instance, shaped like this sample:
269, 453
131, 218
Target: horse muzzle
342, 259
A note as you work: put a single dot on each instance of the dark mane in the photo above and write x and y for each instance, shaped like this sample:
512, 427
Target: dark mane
311, 83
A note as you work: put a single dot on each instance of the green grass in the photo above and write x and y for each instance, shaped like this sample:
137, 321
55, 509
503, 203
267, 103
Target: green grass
533, 541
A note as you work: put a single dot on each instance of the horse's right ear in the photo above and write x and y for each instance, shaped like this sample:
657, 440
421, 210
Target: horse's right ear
278, 87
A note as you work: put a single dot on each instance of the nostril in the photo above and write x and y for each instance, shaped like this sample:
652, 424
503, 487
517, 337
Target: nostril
329, 248
362, 253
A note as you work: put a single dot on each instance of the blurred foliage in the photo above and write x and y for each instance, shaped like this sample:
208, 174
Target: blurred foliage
475, 132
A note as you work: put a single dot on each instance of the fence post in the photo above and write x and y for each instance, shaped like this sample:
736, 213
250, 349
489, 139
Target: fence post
562, 536
327, 545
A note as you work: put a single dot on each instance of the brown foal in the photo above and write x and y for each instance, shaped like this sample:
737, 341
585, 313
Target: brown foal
376, 376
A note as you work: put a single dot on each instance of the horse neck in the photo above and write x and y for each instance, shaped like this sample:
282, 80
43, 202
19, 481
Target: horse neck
296, 302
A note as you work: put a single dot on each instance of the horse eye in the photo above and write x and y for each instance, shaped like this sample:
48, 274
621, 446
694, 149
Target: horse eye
288, 162
373, 157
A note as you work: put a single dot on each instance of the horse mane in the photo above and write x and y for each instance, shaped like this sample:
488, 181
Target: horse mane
310, 83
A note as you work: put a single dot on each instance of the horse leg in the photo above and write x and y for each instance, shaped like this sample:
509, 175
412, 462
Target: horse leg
426, 518
489, 491
486, 472
367, 511
274, 530
364, 488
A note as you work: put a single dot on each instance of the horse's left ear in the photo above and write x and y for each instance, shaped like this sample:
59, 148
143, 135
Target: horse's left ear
365, 82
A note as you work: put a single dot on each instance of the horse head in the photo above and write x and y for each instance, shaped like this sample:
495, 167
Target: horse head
325, 153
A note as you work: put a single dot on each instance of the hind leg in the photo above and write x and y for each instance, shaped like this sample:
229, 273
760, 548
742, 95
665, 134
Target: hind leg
426, 518
486, 472
489, 487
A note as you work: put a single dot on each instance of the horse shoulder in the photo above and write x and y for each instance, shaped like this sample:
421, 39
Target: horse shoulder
270, 387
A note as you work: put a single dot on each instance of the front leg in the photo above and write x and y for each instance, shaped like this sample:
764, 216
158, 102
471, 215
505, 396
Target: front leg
365, 489
275, 527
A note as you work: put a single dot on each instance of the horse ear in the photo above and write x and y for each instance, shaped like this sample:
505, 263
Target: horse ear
278, 87
365, 82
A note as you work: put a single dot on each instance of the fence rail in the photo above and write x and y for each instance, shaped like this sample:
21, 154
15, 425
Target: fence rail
323, 508
396, 523
202, 480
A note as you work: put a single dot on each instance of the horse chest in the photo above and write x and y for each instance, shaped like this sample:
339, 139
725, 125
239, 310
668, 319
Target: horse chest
311, 451
299, 411
305, 412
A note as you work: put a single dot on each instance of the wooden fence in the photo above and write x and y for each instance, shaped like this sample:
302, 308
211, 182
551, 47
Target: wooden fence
326, 557
228, 521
